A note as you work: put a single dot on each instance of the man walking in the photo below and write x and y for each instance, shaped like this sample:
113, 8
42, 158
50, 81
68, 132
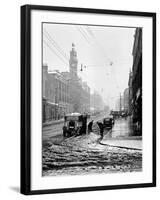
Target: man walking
90, 126
101, 127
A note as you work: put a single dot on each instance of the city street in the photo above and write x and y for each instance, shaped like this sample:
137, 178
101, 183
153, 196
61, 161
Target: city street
92, 72
54, 130
117, 151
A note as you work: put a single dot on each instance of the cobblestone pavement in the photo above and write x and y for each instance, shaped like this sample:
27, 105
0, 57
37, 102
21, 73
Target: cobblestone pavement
85, 155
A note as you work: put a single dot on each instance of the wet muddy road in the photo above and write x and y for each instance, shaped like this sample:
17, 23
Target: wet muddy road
87, 155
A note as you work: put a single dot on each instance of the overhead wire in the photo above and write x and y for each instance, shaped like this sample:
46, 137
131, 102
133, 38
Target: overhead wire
86, 33
53, 51
82, 33
90, 32
55, 45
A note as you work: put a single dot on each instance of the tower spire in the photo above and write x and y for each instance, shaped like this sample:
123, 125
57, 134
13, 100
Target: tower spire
73, 62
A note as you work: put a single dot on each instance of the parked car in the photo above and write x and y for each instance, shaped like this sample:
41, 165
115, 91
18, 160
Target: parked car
108, 122
74, 124
113, 120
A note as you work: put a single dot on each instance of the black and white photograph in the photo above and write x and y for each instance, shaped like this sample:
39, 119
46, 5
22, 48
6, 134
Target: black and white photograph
92, 96
88, 99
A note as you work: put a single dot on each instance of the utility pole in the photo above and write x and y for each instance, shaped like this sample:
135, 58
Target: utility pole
120, 103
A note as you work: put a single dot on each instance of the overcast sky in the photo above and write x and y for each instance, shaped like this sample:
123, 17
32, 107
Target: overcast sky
106, 52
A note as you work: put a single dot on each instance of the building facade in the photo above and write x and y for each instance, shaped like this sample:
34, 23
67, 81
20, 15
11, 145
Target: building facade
64, 92
79, 91
55, 95
126, 100
97, 103
73, 63
135, 82
130, 92
119, 106
48, 93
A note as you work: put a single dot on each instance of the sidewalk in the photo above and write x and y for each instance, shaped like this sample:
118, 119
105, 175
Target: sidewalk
122, 136
123, 143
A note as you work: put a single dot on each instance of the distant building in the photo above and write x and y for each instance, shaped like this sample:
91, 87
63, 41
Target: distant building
120, 103
97, 103
126, 99
85, 97
106, 109
117, 105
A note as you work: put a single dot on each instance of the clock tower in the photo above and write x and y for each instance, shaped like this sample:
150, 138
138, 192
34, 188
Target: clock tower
73, 62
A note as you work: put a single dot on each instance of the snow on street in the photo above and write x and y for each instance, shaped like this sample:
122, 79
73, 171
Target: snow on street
90, 154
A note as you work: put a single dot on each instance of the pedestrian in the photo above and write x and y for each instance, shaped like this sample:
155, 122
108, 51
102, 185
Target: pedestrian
90, 126
101, 127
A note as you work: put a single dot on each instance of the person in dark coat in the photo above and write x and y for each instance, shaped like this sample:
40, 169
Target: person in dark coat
84, 125
90, 126
101, 127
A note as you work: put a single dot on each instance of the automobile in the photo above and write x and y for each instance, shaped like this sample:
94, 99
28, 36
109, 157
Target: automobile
112, 117
115, 114
108, 122
74, 124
